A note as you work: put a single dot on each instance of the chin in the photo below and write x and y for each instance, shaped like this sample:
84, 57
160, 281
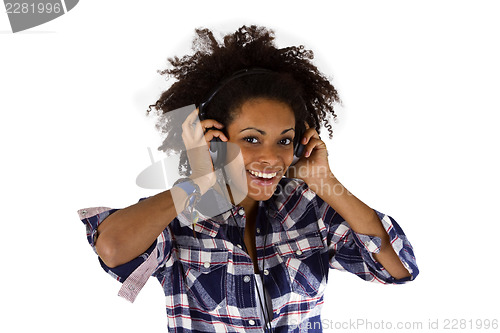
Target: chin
256, 189
261, 193
260, 196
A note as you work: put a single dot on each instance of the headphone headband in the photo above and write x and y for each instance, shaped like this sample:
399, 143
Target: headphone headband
235, 75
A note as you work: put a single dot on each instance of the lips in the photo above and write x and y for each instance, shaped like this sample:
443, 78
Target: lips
263, 178
263, 174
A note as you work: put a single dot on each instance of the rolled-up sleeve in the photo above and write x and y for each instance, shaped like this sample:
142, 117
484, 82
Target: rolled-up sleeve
353, 252
133, 274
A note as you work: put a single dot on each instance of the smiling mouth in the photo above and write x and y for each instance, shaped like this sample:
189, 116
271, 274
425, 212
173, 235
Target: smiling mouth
262, 174
263, 179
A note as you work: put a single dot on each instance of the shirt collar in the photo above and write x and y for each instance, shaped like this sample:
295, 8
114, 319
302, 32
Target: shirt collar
278, 208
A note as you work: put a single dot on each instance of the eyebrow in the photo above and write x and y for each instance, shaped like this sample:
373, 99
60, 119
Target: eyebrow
263, 132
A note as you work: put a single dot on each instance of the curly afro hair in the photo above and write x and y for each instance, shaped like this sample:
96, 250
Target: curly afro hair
292, 79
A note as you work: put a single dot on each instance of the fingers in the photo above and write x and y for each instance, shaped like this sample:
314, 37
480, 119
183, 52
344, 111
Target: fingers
210, 134
312, 145
192, 124
312, 141
208, 123
208, 128
212, 129
191, 120
309, 133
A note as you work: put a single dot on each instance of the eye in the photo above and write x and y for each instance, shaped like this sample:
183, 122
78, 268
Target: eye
250, 139
286, 141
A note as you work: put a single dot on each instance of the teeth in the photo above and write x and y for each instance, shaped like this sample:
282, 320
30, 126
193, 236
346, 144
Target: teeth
263, 175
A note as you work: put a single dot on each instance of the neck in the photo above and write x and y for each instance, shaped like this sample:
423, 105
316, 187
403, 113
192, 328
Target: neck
249, 205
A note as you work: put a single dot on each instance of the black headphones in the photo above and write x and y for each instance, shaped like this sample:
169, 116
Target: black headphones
217, 147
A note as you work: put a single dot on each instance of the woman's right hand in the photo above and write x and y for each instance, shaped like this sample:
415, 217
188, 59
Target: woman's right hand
197, 139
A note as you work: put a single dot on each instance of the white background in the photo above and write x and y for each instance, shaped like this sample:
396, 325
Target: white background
416, 138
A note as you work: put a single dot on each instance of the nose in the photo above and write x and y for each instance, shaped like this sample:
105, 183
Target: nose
270, 154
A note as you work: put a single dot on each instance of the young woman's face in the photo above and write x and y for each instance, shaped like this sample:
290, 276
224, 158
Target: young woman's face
264, 130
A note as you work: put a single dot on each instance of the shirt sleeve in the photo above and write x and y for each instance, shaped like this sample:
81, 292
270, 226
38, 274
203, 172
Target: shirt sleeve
133, 274
353, 252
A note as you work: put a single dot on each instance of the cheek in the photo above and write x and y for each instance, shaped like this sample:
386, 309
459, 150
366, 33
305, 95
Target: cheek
288, 158
247, 155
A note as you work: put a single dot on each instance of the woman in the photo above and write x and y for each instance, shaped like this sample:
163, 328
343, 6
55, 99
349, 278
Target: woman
262, 264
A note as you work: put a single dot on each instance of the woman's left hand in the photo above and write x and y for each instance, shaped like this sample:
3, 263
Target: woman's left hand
313, 166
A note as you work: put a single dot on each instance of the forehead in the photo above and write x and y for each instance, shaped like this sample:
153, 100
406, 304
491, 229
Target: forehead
265, 113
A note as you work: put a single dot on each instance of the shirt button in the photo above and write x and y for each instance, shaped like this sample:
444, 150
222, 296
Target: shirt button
84, 212
258, 230
206, 264
298, 252
251, 322
239, 245
266, 272
241, 211
246, 278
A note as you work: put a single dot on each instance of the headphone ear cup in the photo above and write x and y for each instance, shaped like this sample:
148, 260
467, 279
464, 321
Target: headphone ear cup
299, 150
299, 147
217, 148
217, 152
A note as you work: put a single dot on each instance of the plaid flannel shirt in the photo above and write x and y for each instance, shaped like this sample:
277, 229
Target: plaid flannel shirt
209, 280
